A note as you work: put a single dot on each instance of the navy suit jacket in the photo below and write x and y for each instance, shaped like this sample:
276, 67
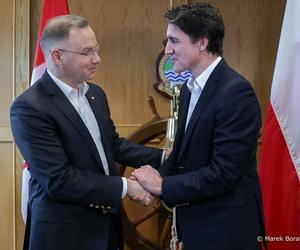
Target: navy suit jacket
211, 174
72, 202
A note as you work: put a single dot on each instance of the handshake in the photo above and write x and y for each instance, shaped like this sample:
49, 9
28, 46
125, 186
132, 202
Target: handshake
144, 184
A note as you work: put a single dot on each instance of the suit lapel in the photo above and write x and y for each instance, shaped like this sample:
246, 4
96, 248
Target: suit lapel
63, 104
184, 107
96, 108
206, 95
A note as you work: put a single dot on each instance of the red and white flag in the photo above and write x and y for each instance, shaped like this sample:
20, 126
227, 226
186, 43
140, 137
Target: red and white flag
279, 167
51, 8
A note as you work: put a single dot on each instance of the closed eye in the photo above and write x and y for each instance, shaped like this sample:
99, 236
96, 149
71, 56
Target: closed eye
173, 40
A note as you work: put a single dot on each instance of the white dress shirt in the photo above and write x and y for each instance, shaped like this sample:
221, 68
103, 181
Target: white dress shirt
197, 85
80, 103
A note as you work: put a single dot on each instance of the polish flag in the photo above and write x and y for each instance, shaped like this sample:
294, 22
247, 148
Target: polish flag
279, 167
51, 8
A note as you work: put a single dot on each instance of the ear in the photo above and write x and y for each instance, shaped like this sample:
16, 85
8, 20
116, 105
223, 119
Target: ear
56, 57
203, 42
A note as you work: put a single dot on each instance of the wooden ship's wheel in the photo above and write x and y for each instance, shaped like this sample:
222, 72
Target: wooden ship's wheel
157, 217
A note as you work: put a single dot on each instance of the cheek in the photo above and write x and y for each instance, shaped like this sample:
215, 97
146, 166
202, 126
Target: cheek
191, 56
184, 58
74, 66
81, 68
86, 66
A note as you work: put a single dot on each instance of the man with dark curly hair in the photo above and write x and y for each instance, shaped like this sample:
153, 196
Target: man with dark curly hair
210, 177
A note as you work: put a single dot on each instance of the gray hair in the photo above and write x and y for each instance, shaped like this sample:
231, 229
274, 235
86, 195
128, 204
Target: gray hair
58, 29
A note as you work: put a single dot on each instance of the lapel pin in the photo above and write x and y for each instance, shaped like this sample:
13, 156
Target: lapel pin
92, 97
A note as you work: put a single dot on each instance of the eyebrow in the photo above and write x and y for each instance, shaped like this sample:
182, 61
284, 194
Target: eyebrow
172, 38
90, 48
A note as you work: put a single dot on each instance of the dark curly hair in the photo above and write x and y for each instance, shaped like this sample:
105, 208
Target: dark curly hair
197, 21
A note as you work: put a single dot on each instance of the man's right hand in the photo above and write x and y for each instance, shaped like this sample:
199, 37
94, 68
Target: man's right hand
136, 192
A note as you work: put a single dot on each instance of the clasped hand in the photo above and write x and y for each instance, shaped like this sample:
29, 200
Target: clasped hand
144, 184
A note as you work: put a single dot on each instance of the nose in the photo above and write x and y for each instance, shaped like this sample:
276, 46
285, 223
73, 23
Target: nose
169, 50
96, 59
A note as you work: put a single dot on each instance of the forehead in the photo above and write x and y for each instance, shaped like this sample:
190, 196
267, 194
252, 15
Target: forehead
175, 31
83, 37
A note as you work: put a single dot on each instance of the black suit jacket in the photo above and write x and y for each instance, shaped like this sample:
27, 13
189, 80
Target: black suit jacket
211, 174
72, 202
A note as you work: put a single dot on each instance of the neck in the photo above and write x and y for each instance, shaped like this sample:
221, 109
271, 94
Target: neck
62, 77
208, 59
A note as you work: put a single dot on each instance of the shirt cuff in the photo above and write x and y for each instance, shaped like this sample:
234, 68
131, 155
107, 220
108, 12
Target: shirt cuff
162, 157
124, 192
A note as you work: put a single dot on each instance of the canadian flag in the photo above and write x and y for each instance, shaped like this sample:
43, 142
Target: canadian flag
51, 8
279, 167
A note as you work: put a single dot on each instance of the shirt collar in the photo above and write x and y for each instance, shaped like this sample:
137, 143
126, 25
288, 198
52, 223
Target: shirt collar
67, 89
201, 80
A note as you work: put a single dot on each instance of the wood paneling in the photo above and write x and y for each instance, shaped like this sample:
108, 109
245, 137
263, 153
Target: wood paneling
5, 134
7, 215
22, 79
6, 55
174, 3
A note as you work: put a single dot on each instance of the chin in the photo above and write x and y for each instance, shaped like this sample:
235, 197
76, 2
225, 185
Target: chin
178, 69
90, 77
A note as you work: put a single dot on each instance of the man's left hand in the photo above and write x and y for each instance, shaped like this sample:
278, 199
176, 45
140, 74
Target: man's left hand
149, 178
